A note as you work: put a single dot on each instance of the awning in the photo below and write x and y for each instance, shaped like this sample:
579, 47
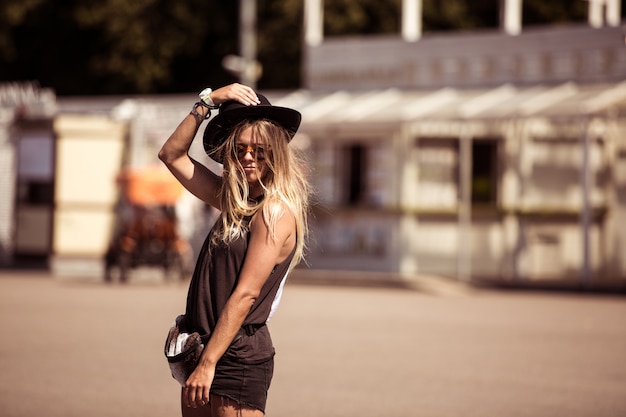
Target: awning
503, 102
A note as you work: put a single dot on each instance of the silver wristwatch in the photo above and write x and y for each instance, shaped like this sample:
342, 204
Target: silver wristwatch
205, 96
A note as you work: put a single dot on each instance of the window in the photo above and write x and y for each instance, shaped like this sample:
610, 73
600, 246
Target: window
35, 193
356, 168
484, 171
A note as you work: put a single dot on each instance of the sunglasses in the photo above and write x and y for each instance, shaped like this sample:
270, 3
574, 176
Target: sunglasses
257, 151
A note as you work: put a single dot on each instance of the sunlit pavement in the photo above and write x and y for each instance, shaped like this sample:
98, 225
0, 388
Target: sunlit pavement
79, 347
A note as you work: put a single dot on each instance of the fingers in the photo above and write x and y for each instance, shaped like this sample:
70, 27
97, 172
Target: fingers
195, 396
203, 397
237, 92
244, 95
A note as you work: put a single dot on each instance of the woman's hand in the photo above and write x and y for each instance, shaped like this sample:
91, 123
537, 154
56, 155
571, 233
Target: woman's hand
198, 385
237, 92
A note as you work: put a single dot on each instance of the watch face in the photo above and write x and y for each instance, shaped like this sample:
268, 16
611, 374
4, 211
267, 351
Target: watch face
205, 92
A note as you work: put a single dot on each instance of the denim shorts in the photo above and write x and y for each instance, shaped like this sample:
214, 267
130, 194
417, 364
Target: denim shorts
245, 371
246, 384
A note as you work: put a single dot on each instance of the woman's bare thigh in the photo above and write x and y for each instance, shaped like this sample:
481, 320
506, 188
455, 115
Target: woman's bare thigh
225, 407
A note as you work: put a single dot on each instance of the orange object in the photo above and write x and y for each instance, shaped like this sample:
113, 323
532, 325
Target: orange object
150, 186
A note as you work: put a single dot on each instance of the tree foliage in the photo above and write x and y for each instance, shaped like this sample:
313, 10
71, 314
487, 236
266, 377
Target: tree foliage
116, 46
149, 34
279, 42
365, 17
161, 46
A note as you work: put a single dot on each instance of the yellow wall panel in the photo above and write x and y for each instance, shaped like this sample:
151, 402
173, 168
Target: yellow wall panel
82, 232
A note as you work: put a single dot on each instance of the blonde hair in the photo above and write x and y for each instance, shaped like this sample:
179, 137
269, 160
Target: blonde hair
285, 184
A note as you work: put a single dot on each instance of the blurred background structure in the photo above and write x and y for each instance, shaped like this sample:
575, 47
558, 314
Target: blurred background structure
493, 152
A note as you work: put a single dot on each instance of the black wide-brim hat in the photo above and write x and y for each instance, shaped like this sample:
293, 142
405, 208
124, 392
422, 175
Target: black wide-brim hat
232, 112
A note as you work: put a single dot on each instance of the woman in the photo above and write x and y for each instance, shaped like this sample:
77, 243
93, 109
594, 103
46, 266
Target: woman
259, 236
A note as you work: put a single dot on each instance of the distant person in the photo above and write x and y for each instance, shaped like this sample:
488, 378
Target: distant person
240, 271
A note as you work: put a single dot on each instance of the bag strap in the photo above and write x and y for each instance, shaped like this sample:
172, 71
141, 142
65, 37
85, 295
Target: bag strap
247, 329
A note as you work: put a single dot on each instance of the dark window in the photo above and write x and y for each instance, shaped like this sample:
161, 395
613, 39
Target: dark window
355, 174
35, 193
484, 171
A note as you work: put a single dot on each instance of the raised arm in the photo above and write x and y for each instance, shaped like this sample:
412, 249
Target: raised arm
195, 177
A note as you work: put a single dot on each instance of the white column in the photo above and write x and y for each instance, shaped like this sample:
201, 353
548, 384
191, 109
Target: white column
247, 41
411, 20
512, 17
613, 12
464, 259
601, 12
313, 22
586, 223
595, 14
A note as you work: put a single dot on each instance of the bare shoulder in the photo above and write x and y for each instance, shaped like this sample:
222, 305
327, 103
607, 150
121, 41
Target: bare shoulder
277, 215
278, 208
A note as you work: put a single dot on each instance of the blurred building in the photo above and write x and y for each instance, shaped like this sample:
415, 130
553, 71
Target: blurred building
495, 155
63, 161
508, 183
27, 163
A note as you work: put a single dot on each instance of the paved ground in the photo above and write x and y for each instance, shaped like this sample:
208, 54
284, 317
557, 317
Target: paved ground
77, 347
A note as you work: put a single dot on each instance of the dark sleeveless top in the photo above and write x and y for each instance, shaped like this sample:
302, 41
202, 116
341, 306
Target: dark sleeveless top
214, 279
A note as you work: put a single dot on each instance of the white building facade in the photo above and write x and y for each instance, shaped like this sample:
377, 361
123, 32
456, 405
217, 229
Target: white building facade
473, 184
495, 155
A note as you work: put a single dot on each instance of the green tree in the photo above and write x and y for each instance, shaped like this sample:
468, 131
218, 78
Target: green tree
541, 12
459, 15
139, 40
160, 46
365, 17
279, 42
116, 46
39, 41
